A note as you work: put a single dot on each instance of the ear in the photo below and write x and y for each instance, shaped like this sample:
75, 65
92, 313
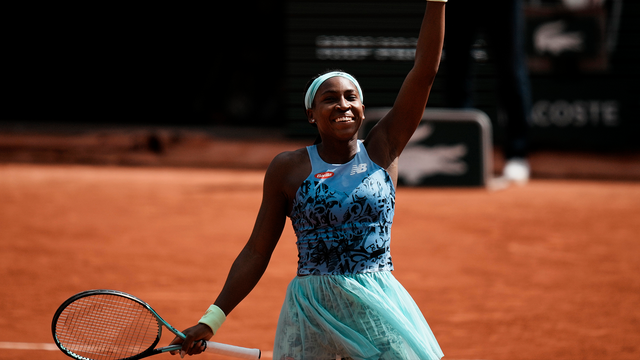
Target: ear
310, 117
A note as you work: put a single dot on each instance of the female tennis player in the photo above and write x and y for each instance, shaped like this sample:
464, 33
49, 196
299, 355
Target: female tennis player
340, 197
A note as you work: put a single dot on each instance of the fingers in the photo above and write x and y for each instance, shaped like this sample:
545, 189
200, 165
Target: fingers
194, 341
195, 347
198, 347
187, 345
177, 340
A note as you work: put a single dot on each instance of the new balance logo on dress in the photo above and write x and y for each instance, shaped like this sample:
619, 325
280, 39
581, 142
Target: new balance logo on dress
358, 168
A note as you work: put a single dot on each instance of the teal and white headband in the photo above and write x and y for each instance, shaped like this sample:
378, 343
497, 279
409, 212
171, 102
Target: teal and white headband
311, 92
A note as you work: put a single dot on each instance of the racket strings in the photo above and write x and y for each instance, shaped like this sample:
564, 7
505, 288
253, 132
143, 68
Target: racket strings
107, 327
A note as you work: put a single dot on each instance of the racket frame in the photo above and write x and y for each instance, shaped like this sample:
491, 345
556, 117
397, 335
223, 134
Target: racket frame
148, 352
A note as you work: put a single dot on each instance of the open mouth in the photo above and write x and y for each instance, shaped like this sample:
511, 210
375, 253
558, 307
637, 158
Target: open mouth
344, 119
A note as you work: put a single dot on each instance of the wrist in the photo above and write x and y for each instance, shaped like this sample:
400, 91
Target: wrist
213, 318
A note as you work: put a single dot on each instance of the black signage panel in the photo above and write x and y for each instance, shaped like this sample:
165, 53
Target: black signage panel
582, 58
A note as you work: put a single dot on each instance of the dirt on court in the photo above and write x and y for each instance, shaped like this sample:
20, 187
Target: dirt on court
544, 271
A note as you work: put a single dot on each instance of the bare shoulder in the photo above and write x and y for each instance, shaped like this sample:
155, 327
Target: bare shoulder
288, 170
289, 161
288, 157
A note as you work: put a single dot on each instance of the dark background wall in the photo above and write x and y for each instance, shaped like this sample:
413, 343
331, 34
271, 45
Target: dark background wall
244, 64
582, 99
170, 64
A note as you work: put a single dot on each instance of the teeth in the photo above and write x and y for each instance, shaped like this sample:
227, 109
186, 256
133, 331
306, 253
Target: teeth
343, 119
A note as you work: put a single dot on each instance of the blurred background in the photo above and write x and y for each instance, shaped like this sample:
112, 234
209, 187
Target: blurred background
151, 78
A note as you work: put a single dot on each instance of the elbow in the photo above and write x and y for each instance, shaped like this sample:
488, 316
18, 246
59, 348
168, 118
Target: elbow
431, 74
426, 70
256, 255
426, 74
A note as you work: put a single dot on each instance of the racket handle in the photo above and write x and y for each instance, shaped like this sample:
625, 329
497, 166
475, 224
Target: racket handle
234, 351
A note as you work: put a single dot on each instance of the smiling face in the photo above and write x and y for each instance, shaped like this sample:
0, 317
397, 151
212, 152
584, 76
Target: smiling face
337, 109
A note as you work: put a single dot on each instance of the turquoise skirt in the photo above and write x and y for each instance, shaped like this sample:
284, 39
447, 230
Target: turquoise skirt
362, 316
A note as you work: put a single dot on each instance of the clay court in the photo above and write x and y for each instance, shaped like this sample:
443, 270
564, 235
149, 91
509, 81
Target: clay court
544, 271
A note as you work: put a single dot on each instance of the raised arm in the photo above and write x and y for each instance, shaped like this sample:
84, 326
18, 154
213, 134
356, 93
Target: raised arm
388, 138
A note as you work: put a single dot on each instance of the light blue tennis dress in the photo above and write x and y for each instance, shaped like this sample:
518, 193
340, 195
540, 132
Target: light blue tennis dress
345, 303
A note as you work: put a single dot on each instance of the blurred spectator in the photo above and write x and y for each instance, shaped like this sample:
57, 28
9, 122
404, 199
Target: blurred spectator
502, 23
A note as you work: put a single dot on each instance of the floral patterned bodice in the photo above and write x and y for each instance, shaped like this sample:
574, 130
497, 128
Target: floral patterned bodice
342, 216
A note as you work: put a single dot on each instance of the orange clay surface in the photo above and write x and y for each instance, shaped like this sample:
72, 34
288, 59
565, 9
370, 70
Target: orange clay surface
549, 270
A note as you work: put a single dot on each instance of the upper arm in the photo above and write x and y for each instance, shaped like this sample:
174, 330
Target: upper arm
280, 183
271, 216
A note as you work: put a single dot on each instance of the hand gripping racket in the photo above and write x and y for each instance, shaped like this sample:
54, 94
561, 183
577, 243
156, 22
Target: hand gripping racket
112, 325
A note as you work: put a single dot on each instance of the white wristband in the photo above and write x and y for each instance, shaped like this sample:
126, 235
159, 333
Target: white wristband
213, 318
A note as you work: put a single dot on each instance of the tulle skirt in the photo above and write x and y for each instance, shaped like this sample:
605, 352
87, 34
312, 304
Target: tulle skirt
362, 316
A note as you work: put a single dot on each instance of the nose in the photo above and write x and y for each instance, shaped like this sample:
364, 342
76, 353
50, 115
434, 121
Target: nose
343, 104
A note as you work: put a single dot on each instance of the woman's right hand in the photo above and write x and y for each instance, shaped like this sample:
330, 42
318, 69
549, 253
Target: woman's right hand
193, 334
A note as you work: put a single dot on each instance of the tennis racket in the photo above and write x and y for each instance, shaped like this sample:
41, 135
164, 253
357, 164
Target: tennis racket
112, 325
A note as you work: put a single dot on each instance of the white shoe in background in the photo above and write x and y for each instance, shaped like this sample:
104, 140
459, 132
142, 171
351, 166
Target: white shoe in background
517, 170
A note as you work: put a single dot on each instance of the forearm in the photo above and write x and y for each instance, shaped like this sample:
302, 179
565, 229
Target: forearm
414, 93
243, 276
430, 40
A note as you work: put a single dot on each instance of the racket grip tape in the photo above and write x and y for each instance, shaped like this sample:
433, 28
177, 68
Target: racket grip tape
234, 351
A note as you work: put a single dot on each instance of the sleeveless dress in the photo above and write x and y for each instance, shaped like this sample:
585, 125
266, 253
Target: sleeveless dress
345, 303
